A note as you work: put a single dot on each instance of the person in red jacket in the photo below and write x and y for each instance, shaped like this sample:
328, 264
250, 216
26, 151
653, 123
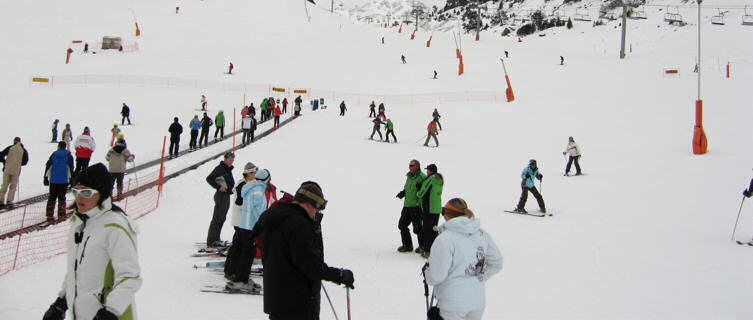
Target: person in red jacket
85, 146
277, 113
284, 105
432, 128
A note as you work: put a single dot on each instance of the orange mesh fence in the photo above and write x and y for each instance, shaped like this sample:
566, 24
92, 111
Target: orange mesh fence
26, 238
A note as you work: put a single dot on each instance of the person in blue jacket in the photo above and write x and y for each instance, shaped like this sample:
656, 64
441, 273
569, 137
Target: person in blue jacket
57, 175
529, 173
195, 125
254, 203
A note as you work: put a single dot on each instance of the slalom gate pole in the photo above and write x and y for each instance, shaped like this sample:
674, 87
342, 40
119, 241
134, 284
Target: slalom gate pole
738, 218
330, 301
347, 295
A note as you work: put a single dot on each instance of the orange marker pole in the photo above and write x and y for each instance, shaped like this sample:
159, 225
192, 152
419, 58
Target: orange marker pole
428, 43
510, 95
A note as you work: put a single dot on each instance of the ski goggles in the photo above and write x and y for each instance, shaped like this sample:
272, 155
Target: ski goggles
319, 203
86, 193
451, 210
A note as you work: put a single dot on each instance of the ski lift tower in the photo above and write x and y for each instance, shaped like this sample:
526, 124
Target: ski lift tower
625, 5
700, 144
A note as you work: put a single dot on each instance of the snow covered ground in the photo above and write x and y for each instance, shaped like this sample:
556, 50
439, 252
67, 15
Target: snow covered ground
645, 234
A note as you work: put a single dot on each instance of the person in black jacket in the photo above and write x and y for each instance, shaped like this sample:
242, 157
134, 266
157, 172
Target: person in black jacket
206, 123
293, 255
175, 130
221, 179
126, 113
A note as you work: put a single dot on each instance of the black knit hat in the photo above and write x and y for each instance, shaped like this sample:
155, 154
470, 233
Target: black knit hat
98, 178
311, 192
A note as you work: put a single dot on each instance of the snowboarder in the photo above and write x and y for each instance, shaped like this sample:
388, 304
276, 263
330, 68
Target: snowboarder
435, 115
529, 173
84, 146
13, 158
254, 203
126, 113
377, 129
463, 256
219, 122
230, 68
104, 283
203, 103
206, 123
55, 130
58, 172
175, 130
430, 195
293, 229
411, 213
195, 125
574, 152
402, 57
342, 108
562, 60
390, 130
372, 110
116, 159
220, 179
432, 133
67, 136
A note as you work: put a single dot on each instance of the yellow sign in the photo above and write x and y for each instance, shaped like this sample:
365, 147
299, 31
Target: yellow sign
278, 89
40, 80
300, 91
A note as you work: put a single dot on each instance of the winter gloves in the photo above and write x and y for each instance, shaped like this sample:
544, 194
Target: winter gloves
346, 278
104, 314
57, 310
747, 193
539, 176
46, 181
401, 194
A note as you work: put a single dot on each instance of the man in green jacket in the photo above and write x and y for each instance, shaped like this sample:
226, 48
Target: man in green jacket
411, 207
219, 121
431, 206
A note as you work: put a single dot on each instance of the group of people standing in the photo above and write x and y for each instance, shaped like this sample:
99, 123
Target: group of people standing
379, 120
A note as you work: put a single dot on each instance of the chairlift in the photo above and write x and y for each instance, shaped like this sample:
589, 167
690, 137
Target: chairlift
582, 15
638, 13
673, 16
718, 19
747, 18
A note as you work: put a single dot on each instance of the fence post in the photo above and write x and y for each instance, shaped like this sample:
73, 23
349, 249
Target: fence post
20, 232
161, 168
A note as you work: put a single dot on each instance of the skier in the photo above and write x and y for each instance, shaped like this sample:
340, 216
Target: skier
86, 47
293, 255
55, 130
372, 111
562, 60
382, 40
84, 146
463, 257
574, 152
254, 203
115, 131
432, 133
206, 123
220, 179
175, 130
430, 195
377, 128
230, 68
116, 159
67, 136
298, 101
244, 112
219, 122
195, 125
411, 213
263, 109
435, 74
381, 110
231, 260
126, 113
247, 124
203, 103
277, 112
402, 57
284, 105
58, 173
103, 266
13, 158
390, 130
531, 171
435, 115
342, 108
507, 54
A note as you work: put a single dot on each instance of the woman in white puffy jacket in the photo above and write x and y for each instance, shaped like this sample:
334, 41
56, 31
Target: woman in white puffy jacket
462, 258
103, 266
574, 152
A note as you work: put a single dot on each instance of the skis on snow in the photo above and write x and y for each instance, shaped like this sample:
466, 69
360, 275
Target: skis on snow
750, 243
538, 214
227, 290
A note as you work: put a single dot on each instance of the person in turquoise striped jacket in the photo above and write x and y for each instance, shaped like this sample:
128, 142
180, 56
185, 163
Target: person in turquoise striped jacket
531, 171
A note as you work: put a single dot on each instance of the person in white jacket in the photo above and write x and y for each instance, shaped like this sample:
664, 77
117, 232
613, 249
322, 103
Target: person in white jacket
103, 267
574, 152
462, 258
254, 203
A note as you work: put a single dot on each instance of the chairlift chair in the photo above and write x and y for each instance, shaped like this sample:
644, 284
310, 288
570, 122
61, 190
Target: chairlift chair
673, 16
638, 13
718, 19
747, 18
582, 15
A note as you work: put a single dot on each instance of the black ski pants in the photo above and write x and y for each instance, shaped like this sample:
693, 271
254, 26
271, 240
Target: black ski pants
524, 197
204, 137
429, 223
174, 146
221, 206
372, 113
125, 116
410, 215
231, 261
246, 136
376, 130
570, 162
277, 121
192, 142
246, 254
221, 130
57, 193
81, 164
387, 135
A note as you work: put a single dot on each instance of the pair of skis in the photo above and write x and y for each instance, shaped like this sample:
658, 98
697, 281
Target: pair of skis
538, 214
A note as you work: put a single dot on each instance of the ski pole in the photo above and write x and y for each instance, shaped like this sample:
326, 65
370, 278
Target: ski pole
347, 295
738, 218
426, 286
419, 139
330, 301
